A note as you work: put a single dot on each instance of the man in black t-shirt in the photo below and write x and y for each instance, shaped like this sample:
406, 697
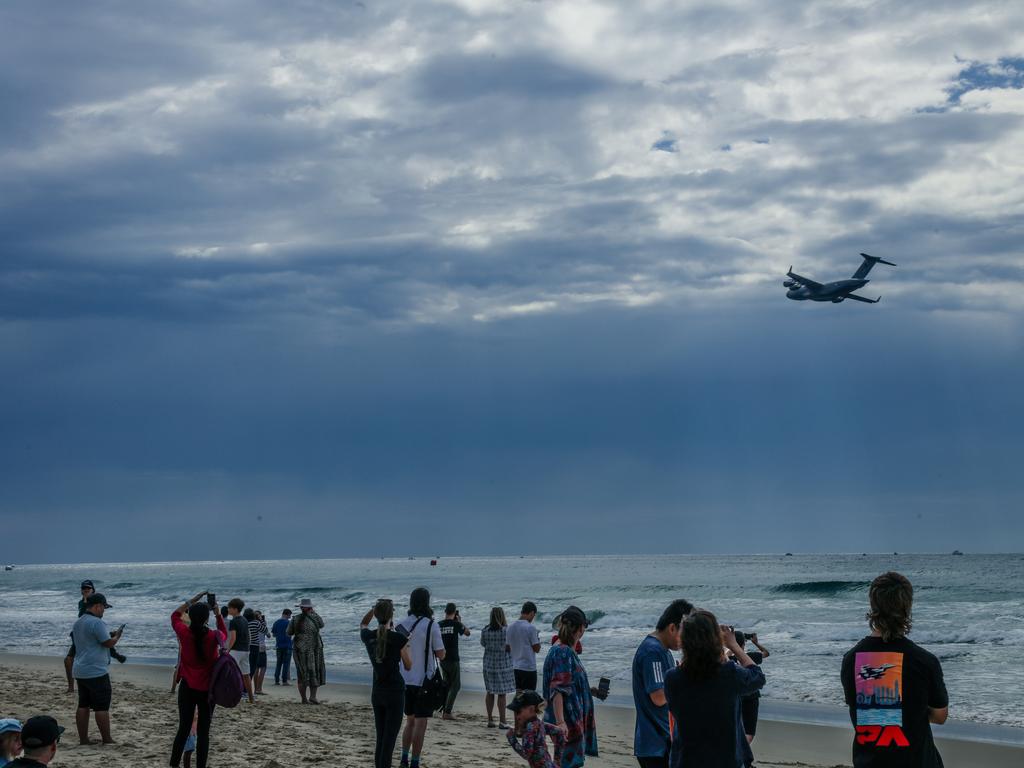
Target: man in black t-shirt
893, 687
238, 642
452, 629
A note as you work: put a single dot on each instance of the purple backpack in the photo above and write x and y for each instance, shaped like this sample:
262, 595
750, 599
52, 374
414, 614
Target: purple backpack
226, 683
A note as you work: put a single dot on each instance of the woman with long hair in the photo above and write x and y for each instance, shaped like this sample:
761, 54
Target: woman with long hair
567, 690
426, 648
499, 680
386, 649
309, 650
704, 696
200, 648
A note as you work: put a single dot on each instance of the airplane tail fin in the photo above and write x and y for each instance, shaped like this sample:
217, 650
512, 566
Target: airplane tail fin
867, 264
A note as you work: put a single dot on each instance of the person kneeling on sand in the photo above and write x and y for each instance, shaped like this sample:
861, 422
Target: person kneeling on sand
39, 739
527, 737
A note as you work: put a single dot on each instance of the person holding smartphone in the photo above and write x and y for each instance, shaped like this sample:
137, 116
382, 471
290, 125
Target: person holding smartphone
567, 691
200, 648
93, 641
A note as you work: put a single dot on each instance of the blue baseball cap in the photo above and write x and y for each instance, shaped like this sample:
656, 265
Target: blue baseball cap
10, 725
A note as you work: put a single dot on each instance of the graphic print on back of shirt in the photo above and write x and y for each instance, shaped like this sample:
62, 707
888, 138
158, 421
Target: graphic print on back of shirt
879, 681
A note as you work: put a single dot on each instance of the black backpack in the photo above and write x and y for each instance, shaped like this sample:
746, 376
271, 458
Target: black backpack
434, 691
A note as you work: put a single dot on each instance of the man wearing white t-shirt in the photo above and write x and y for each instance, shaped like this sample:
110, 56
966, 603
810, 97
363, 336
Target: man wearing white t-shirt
524, 643
418, 712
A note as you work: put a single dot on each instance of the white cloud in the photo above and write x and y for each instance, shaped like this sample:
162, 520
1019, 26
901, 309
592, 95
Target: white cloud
475, 126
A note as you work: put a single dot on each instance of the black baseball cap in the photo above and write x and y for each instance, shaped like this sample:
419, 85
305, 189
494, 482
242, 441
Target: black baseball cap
526, 699
573, 614
97, 598
40, 731
87, 584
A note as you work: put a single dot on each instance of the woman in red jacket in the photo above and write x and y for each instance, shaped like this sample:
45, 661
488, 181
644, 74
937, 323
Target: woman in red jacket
199, 650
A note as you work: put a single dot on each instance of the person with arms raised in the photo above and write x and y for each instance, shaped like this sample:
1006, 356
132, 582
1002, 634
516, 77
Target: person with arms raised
387, 650
893, 687
199, 651
703, 696
452, 629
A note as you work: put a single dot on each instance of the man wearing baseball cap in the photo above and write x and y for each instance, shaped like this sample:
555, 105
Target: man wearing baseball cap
39, 737
92, 658
87, 589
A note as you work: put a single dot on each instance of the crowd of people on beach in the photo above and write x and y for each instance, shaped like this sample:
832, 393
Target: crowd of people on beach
700, 711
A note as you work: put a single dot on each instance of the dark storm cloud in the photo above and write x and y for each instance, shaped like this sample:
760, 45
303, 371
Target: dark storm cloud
531, 77
344, 264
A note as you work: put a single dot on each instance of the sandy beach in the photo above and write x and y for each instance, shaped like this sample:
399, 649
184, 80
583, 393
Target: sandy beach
278, 731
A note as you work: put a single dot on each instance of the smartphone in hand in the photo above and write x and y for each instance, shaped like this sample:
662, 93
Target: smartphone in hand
211, 599
603, 686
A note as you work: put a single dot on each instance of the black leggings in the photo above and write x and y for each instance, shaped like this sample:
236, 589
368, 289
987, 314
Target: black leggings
188, 701
388, 713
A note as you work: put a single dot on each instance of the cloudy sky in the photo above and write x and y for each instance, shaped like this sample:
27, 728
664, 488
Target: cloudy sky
341, 278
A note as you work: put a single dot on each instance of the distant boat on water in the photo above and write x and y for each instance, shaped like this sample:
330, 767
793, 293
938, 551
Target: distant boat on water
958, 553
8, 567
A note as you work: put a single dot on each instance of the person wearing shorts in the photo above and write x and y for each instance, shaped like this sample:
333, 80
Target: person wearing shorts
238, 642
424, 635
93, 642
524, 644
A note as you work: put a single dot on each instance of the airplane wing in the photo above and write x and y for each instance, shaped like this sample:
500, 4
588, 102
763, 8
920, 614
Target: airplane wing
802, 280
855, 297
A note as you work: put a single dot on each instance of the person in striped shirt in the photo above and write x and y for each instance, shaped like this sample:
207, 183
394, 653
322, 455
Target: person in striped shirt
653, 659
258, 634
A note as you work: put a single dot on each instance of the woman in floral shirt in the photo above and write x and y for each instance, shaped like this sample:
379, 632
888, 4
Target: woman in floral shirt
568, 692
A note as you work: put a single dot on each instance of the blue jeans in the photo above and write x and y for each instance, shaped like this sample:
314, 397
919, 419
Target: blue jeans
282, 672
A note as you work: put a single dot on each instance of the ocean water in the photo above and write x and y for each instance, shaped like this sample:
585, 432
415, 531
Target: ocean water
807, 609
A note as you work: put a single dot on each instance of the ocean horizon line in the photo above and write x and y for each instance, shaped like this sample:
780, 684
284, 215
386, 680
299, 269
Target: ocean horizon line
436, 556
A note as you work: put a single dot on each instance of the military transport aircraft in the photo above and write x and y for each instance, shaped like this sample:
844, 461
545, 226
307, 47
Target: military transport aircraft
875, 673
802, 289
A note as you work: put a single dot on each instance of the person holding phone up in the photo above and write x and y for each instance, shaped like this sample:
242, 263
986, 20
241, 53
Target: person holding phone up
200, 648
